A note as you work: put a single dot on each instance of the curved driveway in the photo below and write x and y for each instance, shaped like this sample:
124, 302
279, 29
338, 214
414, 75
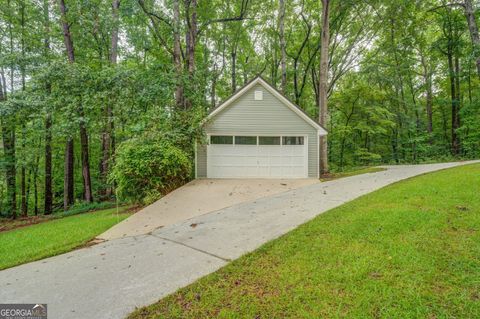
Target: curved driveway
109, 280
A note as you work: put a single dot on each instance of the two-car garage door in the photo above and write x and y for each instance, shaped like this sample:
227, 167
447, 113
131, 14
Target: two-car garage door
257, 156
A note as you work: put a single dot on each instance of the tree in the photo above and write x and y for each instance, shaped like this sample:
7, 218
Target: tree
283, 63
48, 197
323, 83
393, 81
473, 28
108, 138
69, 152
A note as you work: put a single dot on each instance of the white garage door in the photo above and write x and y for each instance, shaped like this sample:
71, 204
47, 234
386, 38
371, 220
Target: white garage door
257, 157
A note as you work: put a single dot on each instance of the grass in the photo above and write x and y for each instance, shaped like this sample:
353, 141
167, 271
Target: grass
410, 250
353, 172
21, 221
55, 236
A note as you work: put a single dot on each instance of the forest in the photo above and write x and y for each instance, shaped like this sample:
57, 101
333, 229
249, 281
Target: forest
103, 100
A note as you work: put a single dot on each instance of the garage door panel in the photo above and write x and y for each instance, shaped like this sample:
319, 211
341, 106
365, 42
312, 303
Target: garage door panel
297, 160
262, 161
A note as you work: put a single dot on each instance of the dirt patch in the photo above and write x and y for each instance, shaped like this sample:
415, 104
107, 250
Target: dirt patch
7, 224
10, 224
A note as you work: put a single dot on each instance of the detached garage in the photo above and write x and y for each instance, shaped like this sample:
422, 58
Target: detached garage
259, 133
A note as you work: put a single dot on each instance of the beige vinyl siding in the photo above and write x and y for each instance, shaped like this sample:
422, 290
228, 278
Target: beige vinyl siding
256, 117
201, 160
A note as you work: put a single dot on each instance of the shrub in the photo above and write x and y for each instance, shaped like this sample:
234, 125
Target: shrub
145, 169
83, 207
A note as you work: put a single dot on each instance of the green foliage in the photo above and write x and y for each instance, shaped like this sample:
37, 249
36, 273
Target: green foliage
146, 168
81, 208
384, 56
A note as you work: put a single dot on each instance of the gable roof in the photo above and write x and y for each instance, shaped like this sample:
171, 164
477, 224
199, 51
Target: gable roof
259, 80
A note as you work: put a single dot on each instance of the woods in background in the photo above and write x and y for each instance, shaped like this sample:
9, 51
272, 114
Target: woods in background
392, 81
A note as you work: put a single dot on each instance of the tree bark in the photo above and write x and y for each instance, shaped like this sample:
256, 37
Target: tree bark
29, 181
23, 181
68, 197
67, 37
108, 130
177, 56
87, 186
456, 109
48, 200
473, 28
68, 178
35, 187
453, 97
48, 197
427, 77
323, 83
114, 39
87, 183
190, 39
8, 136
234, 70
283, 57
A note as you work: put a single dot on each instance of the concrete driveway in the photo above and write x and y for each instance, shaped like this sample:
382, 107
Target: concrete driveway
197, 198
109, 280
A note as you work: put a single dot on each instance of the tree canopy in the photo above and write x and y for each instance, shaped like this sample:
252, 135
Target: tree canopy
80, 78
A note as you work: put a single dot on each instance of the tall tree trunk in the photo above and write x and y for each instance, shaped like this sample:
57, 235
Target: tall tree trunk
108, 132
67, 37
68, 195
35, 187
48, 200
114, 39
29, 182
473, 28
456, 109
8, 136
48, 197
87, 183
245, 72
22, 71
213, 91
234, 70
323, 83
453, 97
427, 78
177, 56
23, 179
283, 58
68, 178
87, 186
190, 39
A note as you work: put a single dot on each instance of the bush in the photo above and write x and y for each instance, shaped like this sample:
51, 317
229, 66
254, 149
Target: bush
83, 207
145, 169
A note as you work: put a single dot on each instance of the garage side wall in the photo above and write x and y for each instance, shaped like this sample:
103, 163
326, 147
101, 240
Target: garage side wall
268, 116
201, 168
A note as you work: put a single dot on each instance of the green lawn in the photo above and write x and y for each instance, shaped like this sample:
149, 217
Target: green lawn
352, 172
54, 237
410, 250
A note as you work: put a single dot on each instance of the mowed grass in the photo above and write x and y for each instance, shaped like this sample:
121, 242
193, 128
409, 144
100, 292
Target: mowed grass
353, 172
410, 250
54, 237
